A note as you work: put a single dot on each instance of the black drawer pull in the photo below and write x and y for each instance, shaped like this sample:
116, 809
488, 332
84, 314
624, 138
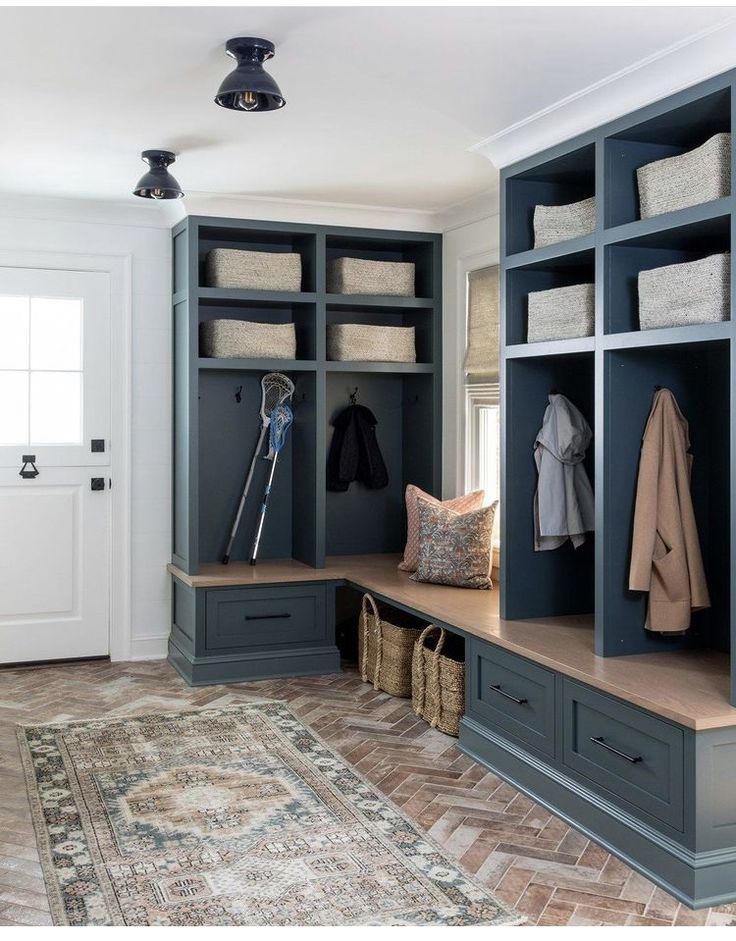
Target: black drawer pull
502, 692
266, 617
634, 759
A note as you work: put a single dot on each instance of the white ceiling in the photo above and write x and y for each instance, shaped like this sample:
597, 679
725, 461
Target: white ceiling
383, 103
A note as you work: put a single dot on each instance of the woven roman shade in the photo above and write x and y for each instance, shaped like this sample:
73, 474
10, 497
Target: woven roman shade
481, 357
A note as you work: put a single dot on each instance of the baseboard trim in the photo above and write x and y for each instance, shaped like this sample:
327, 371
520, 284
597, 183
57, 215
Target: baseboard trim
696, 879
258, 665
150, 647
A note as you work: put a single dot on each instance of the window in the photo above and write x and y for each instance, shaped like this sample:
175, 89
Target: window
483, 434
482, 406
40, 370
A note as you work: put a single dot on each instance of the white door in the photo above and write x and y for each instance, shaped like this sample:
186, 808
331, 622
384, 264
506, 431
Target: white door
54, 419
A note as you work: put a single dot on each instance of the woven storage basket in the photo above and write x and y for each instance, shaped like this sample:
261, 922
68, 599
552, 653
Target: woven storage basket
359, 276
385, 651
693, 292
561, 313
558, 223
253, 271
437, 684
243, 339
686, 180
363, 342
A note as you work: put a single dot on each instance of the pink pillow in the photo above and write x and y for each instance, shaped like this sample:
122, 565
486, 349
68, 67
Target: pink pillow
463, 504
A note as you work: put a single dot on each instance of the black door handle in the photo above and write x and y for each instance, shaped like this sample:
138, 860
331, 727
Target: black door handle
634, 759
502, 692
266, 617
33, 472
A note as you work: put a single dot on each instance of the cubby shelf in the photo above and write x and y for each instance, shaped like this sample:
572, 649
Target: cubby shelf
548, 253
217, 401
666, 336
369, 301
233, 297
611, 377
259, 365
668, 221
401, 368
551, 348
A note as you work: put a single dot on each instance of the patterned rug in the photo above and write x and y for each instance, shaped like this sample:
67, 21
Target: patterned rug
236, 816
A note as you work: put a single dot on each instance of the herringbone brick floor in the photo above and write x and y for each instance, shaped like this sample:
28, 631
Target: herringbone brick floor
531, 860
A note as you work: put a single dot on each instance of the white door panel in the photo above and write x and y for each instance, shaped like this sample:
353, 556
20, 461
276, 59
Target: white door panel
54, 399
44, 523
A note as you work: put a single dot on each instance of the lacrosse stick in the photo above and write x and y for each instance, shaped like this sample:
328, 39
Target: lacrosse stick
281, 419
275, 389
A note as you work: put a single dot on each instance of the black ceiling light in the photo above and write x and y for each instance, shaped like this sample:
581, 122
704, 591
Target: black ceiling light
157, 182
250, 87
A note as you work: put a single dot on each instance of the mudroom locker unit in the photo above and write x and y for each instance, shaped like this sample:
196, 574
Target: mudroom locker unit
627, 735
665, 788
216, 424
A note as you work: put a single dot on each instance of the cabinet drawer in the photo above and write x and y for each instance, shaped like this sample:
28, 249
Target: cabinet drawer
513, 695
265, 618
632, 756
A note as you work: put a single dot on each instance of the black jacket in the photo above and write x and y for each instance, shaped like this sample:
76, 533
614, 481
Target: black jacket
354, 452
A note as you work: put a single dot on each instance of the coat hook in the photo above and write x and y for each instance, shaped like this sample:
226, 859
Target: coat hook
354, 396
658, 388
553, 392
239, 394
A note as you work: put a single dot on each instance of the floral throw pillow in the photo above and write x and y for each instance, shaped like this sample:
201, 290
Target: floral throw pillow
455, 548
462, 504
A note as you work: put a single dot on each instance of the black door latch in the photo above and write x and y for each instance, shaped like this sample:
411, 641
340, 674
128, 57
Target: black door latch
97, 483
33, 472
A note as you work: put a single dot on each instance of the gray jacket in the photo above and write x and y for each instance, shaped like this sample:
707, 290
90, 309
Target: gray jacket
563, 503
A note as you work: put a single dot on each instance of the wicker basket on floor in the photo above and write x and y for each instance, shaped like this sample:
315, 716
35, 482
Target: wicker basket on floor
385, 651
438, 684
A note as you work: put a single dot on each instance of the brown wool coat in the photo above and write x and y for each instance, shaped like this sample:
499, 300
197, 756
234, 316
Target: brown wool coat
665, 553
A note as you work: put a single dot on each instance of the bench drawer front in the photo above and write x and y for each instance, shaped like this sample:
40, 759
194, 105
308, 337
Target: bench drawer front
265, 618
631, 755
513, 695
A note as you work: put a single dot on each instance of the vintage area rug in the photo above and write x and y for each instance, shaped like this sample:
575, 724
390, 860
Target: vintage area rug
236, 816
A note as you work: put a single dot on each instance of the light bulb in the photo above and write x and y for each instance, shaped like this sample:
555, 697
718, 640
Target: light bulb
247, 101
158, 194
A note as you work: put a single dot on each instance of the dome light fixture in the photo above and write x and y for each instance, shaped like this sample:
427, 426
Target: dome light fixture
157, 182
249, 87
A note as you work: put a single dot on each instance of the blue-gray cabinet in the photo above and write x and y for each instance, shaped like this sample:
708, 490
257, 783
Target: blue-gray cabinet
244, 632
658, 794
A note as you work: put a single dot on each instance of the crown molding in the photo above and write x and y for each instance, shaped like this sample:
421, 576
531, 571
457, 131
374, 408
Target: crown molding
141, 213
476, 209
670, 70
313, 212
165, 214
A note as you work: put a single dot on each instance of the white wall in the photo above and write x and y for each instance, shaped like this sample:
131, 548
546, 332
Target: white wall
143, 234
466, 245
53, 226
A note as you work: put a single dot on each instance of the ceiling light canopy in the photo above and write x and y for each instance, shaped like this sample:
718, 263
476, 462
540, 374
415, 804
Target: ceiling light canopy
249, 87
157, 182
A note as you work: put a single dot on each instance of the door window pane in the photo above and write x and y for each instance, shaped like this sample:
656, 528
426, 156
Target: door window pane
56, 333
56, 408
13, 407
13, 332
